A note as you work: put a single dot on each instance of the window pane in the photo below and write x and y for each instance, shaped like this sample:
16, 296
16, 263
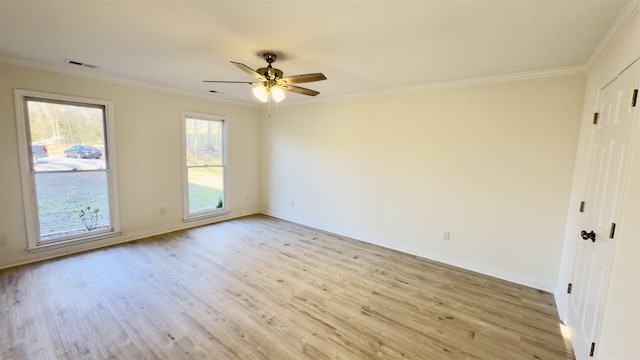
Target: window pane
66, 136
204, 142
72, 203
205, 188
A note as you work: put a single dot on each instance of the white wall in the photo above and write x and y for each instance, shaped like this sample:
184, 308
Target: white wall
148, 150
490, 163
620, 332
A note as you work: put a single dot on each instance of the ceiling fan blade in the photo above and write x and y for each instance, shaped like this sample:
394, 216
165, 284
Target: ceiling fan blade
300, 90
249, 71
297, 79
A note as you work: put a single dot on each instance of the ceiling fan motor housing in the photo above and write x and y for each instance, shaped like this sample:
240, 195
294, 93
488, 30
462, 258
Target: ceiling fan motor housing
270, 73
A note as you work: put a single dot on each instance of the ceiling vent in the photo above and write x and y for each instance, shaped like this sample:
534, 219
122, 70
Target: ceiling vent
78, 63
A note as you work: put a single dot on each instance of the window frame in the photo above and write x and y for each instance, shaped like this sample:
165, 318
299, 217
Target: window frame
187, 215
28, 173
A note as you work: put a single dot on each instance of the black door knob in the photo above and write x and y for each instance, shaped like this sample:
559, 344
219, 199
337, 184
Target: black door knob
588, 235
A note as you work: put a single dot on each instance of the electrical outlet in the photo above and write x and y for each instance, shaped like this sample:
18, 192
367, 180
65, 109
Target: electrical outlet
163, 211
293, 203
446, 235
3, 240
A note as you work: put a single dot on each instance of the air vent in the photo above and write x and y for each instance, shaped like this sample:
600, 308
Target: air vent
78, 63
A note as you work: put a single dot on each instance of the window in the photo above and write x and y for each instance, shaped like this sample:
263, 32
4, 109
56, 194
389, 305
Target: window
204, 165
67, 168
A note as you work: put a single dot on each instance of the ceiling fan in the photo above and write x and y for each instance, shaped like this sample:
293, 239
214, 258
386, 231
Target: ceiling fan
271, 81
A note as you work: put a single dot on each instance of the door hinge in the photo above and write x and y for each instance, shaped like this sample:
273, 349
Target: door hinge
595, 118
569, 288
581, 206
612, 232
593, 349
634, 98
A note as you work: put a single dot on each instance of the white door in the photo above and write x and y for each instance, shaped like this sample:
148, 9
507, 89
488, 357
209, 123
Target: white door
605, 179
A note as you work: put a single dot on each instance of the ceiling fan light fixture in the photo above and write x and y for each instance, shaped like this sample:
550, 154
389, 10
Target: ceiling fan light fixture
261, 93
277, 93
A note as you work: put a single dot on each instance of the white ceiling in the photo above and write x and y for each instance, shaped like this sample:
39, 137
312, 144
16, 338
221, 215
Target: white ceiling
361, 46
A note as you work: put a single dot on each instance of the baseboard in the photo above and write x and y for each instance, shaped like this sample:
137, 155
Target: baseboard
484, 269
561, 303
125, 237
137, 235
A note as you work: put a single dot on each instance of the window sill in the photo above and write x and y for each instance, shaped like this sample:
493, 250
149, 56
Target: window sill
72, 242
205, 216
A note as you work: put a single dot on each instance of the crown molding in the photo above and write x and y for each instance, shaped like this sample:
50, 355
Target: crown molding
628, 12
485, 80
398, 90
529, 75
114, 79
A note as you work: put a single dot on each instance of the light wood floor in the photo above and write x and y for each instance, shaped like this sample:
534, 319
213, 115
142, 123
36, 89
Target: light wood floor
263, 288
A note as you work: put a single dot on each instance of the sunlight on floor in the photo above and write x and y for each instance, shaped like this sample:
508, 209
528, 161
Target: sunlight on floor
566, 335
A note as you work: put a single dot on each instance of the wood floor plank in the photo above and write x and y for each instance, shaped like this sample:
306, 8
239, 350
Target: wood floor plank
263, 288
